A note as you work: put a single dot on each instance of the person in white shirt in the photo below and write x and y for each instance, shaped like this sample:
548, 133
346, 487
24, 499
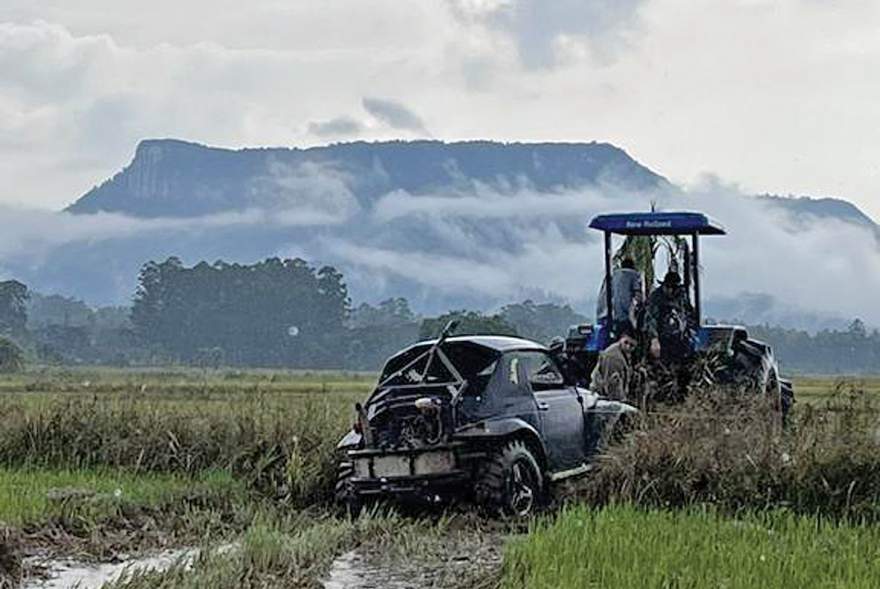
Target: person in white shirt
627, 293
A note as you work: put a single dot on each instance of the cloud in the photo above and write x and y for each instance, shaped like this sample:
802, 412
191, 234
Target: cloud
73, 106
487, 203
315, 191
394, 114
340, 126
817, 265
447, 274
387, 114
501, 245
543, 32
35, 233
482, 247
691, 86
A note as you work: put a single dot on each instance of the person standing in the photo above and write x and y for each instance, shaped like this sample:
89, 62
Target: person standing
627, 293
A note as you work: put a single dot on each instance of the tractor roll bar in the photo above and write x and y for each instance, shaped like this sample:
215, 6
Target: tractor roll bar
609, 312
695, 247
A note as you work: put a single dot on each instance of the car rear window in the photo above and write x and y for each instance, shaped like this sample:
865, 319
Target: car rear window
474, 363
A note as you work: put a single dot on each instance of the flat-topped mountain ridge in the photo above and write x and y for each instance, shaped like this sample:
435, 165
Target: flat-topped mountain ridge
172, 178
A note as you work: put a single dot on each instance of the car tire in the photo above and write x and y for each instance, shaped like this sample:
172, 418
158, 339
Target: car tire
510, 482
344, 492
772, 387
786, 400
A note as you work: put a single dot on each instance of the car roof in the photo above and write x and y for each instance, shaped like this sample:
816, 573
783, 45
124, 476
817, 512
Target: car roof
658, 223
500, 343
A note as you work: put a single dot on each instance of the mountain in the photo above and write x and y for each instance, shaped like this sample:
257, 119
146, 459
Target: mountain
472, 224
804, 209
170, 178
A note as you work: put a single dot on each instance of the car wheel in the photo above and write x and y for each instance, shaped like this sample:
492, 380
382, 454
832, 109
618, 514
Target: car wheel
510, 482
344, 492
772, 390
786, 400
771, 385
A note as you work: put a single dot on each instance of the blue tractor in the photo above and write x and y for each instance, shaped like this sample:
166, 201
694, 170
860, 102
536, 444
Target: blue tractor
739, 358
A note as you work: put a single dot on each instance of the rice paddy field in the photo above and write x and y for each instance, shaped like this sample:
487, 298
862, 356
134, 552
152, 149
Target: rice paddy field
104, 464
628, 548
816, 389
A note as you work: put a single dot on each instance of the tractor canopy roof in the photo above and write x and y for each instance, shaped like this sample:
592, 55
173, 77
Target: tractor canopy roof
658, 223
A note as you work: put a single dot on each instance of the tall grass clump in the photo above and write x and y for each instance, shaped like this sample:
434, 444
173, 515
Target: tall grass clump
281, 447
732, 451
625, 547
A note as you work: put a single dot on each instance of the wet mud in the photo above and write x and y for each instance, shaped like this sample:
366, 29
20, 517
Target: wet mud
470, 561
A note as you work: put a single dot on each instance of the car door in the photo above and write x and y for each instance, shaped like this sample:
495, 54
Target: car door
559, 409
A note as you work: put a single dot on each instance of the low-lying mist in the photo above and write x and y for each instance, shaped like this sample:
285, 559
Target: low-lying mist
475, 245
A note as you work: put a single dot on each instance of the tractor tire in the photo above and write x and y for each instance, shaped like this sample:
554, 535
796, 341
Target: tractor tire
344, 493
510, 482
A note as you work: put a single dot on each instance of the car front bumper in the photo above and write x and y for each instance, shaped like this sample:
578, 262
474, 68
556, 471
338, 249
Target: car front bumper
429, 472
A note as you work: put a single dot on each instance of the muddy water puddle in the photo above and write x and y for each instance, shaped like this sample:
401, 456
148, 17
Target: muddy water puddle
353, 571
446, 569
64, 573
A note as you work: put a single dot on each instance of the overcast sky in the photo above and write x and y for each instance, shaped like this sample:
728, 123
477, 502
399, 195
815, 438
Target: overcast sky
775, 96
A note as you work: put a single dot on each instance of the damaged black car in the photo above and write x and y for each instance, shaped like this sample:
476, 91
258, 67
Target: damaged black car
490, 419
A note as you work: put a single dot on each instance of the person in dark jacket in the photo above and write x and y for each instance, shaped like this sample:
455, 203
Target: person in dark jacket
670, 321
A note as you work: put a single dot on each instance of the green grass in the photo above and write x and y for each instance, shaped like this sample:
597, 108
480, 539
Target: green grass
275, 431
33, 496
623, 547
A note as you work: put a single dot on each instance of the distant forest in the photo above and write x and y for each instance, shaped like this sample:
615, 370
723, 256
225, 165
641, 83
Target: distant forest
286, 313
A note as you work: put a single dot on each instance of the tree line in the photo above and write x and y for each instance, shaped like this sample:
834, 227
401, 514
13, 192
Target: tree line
274, 313
855, 350
287, 313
